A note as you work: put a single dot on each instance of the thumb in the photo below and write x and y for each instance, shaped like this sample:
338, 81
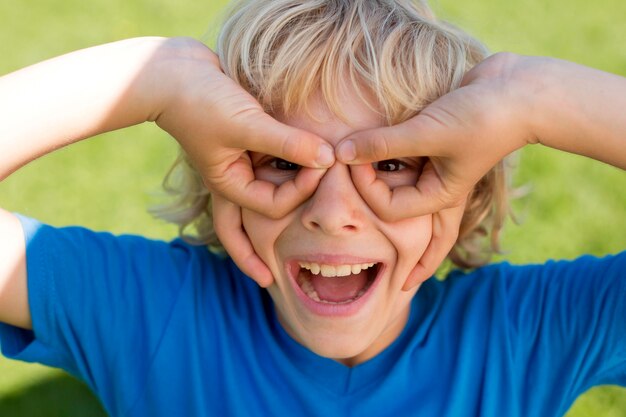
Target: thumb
267, 135
418, 136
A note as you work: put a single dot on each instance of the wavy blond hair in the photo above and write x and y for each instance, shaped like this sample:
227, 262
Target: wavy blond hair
284, 51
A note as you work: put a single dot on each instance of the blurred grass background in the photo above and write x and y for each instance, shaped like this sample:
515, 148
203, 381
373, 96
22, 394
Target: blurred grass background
576, 206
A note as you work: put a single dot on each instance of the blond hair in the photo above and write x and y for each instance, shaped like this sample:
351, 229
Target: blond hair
285, 51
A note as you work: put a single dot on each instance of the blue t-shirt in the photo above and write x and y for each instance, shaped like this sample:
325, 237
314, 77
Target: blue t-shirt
167, 329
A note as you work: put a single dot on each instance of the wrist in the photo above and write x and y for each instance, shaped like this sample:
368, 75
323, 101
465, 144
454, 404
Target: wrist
157, 83
540, 81
175, 65
527, 84
577, 109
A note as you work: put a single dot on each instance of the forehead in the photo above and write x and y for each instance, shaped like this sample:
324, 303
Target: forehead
323, 122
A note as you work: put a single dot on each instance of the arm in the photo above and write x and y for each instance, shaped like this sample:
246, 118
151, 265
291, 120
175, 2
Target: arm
579, 109
506, 102
65, 99
13, 292
50, 105
178, 84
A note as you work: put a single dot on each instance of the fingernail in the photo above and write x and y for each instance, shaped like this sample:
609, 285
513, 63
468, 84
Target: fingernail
347, 151
326, 156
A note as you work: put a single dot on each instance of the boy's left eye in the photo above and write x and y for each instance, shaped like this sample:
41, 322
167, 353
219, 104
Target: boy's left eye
399, 172
389, 165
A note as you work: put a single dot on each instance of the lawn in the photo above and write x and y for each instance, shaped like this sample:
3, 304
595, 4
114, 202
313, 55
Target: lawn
575, 206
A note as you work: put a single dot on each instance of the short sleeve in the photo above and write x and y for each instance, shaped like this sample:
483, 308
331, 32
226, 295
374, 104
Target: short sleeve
98, 302
568, 323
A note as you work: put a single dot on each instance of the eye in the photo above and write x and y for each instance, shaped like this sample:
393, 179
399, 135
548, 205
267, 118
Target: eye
283, 165
389, 165
399, 172
271, 169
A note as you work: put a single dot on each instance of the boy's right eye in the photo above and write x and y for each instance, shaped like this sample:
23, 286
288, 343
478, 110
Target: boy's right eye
271, 169
283, 165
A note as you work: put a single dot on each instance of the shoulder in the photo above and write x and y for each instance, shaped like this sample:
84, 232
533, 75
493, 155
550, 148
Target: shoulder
588, 292
530, 292
505, 273
78, 243
72, 259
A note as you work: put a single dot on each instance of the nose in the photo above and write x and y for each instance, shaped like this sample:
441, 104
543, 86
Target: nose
336, 208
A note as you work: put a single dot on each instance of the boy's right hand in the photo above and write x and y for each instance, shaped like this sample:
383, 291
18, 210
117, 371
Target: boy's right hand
217, 123
175, 82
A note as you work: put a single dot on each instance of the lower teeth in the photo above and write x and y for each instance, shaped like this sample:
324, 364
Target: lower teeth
308, 289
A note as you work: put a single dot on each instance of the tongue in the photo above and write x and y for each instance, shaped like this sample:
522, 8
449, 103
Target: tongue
338, 289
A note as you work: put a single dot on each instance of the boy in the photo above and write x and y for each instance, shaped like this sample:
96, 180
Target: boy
169, 329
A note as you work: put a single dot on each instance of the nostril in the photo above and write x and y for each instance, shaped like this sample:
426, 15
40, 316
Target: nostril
346, 228
333, 214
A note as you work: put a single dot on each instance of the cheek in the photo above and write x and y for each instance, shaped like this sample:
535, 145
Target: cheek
410, 237
263, 233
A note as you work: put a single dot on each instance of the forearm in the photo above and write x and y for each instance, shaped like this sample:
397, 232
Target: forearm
60, 101
580, 110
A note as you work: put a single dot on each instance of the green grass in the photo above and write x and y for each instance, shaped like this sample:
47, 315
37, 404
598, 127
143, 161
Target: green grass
576, 206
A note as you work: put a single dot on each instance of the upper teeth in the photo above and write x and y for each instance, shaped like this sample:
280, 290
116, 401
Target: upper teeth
335, 270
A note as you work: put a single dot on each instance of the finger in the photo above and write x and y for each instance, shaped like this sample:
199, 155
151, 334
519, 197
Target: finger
429, 195
445, 233
240, 186
228, 226
262, 133
418, 136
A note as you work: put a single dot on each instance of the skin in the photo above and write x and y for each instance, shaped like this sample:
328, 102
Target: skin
176, 83
335, 225
505, 102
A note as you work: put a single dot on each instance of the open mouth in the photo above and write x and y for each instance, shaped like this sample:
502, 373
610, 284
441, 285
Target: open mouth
336, 284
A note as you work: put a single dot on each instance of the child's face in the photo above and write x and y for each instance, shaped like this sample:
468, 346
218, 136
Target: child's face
348, 318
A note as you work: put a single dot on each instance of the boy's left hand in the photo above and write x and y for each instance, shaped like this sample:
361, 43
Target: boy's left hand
504, 103
446, 224
463, 134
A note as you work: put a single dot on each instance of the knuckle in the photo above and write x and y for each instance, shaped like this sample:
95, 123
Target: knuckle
452, 198
388, 216
386, 213
280, 212
276, 213
379, 148
274, 209
292, 148
445, 200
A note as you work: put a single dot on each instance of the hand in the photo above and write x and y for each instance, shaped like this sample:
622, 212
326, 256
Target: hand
463, 134
229, 227
217, 123
446, 224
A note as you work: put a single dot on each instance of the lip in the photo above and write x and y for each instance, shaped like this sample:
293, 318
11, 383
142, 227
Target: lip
332, 310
